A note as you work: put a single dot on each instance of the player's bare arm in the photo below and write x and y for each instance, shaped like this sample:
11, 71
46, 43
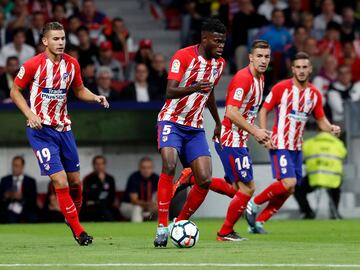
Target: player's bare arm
174, 91
34, 121
86, 95
261, 135
211, 104
324, 125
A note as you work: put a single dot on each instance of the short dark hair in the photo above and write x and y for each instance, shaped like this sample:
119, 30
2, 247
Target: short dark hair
12, 58
143, 159
19, 30
82, 28
98, 157
19, 158
300, 55
259, 44
52, 26
213, 25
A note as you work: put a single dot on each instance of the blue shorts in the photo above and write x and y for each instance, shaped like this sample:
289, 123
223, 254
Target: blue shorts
236, 162
189, 142
55, 151
286, 164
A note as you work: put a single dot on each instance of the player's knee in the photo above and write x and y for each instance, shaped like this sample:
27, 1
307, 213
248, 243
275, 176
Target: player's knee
204, 181
169, 168
60, 183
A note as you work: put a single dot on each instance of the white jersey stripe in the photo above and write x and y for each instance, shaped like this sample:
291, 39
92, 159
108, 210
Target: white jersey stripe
282, 115
295, 106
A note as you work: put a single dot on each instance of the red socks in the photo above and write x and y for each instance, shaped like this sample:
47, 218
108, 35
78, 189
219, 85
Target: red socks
76, 196
164, 198
270, 192
194, 200
273, 207
68, 209
219, 185
235, 210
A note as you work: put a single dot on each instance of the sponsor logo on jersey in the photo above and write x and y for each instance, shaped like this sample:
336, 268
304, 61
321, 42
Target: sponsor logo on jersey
49, 93
238, 95
21, 72
175, 67
299, 116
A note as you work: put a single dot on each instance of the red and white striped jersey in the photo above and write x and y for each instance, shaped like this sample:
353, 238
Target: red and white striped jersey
293, 108
188, 67
49, 85
245, 92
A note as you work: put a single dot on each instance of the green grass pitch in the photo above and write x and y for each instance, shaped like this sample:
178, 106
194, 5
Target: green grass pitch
296, 244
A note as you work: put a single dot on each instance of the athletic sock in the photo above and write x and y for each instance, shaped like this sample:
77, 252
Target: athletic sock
272, 208
76, 196
195, 198
270, 192
235, 210
68, 209
164, 198
219, 185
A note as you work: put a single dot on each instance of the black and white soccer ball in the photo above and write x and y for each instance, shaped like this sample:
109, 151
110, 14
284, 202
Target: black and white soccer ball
184, 234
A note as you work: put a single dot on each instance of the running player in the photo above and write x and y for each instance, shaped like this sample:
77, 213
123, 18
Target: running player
294, 99
194, 71
50, 75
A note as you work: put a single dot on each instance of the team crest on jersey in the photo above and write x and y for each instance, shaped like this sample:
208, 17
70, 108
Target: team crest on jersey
308, 102
175, 67
65, 76
214, 72
21, 72
238, 95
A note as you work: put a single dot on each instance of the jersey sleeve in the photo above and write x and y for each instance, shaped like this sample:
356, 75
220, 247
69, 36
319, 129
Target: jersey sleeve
178, 66
25, 75
273, 98
318, 109
238, 89
77, 75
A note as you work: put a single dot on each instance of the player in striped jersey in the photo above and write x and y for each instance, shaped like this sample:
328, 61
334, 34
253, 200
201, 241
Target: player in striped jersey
194, 71
49, 76
294, 99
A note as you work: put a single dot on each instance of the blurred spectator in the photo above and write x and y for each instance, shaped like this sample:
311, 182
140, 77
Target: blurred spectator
73, 51
104, 76
17, 48
34, 32
145, 53
51, 211
312, 50
352, 60
324, 155
42, 6
18, 195
293, 14
348, 25
5, 35
7, 78
326, 76
341, 90
120, 38
327, 15
19, 16
330, 44
7, 6
105, 58
88, 74
158, 75
307, 20
87, 49
140, 90
276, 34
72, 26
93, 19
300, 36
139, 200
59, 14
244, 20
267, 7
98, 193
72, 7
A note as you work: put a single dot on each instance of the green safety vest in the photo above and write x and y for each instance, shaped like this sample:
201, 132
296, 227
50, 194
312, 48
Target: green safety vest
324, 155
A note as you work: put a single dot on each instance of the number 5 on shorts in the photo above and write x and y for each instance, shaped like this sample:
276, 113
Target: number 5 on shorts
166, 130
45, 153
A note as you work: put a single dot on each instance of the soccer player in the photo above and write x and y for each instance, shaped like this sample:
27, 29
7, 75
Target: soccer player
243, 100
294, 99
193, 73
50, 75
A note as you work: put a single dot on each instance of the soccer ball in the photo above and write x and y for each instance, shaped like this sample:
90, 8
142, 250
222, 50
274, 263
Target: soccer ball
184, 234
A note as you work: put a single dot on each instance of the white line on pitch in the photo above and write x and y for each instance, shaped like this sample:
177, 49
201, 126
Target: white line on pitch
183, 264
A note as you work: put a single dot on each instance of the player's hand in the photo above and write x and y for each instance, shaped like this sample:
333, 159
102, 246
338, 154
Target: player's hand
217, 134
34, 121
262, 136
204, 86
269, 145
335, 130
102, 100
